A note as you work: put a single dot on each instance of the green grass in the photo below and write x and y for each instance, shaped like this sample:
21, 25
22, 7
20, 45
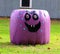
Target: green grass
7, 48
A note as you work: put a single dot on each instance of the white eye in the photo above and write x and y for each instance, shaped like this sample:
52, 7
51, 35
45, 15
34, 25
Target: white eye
27, 16
35, 16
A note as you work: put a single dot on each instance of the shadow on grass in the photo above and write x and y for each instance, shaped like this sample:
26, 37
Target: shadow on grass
10, 45
6, 44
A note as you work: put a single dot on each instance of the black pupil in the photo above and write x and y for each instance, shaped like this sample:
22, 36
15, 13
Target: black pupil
27, 16
35, 16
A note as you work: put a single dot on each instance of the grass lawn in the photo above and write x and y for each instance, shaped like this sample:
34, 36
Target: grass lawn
7, 48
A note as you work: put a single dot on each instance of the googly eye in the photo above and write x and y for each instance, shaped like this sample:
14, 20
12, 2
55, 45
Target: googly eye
35, 16
27, 16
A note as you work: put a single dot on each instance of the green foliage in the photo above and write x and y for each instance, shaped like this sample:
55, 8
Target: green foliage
7, 48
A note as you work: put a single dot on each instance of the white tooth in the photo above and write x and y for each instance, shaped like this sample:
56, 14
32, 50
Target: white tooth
31, 25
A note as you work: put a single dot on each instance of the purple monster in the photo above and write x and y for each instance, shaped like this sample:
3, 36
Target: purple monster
30, 26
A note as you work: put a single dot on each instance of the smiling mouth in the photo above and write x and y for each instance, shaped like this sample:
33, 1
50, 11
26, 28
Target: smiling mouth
33, 28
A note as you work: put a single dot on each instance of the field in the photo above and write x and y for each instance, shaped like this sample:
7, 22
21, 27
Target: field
7, 48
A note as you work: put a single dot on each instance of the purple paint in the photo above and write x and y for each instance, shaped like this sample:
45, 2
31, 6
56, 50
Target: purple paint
33, 30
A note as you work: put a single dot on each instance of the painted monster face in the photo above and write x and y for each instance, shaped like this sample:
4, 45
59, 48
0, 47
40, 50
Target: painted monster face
29, 26
34, 17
